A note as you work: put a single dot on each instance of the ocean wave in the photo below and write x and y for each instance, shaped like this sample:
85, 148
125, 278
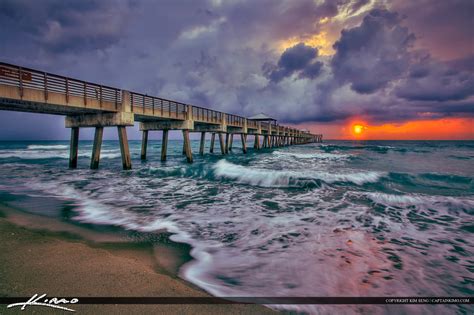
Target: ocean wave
47, 147
374, 148
315, 155
465, 203
271, 178
53, 154
452, 178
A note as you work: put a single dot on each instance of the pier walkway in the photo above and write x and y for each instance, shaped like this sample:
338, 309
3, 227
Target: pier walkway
87, 104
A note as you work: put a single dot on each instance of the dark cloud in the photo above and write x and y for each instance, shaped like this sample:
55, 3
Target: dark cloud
437, 81
60, 26
445, 28
373, 54
297, 59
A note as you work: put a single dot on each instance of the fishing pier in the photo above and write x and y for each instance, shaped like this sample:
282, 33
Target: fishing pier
91, 105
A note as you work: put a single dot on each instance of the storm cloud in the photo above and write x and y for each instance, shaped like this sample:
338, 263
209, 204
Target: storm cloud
373, 54
299, 59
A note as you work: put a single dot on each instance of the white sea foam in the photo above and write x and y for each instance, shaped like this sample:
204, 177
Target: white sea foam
47, 147
52, 154
314, 155
271, 178
419, 199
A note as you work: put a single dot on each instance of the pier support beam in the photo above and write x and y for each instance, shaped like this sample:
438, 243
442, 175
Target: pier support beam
164, 144
124, 149
221, 142
144, 144
99, 132
227, 140
74, 146
243, 137
256, 144
187, 146
201, 145
213, 140
231, 141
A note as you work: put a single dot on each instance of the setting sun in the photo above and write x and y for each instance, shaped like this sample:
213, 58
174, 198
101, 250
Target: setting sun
358, 129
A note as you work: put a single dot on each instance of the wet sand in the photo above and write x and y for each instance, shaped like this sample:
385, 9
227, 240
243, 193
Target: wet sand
34, 259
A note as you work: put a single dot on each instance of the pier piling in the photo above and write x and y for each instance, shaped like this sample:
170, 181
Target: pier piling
144, 144
164, 145
213, 140
227, 140
187, 146
124, 149
95, 159
201, 145
243, 138
256, 143
74, 146
221, 143
231, 141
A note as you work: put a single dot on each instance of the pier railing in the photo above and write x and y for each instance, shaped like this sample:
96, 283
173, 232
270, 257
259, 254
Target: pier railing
25, 78
157, 106
206, 115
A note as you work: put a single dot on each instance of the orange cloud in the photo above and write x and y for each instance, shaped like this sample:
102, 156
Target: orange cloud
320, 41
435, 129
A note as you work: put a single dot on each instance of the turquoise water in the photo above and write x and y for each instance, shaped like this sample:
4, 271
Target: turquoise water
342, 218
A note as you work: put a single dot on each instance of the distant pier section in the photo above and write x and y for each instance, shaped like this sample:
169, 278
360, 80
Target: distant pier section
91, 105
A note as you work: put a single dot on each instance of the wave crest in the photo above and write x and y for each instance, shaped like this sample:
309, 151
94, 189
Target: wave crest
270, 178
315, 155
47, 147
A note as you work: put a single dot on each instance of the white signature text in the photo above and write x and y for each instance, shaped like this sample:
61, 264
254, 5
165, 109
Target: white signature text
41, 300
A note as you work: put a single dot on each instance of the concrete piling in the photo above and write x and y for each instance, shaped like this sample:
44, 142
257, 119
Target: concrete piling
187, 146
243, 138
256, 143
213, 140
124, 149
74, 147
221, 142
144, 144
164, 145
95, 159
201, 145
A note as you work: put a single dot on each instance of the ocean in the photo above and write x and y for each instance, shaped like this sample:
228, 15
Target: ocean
339, 218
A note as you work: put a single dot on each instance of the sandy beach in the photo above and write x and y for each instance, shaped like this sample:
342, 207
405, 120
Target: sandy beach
62, 263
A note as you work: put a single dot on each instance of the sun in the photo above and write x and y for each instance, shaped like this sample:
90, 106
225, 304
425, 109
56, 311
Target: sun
358, 129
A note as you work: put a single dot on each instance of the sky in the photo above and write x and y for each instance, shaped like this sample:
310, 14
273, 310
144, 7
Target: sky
402, 69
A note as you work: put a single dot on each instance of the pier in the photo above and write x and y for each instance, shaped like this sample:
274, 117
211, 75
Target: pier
90, 105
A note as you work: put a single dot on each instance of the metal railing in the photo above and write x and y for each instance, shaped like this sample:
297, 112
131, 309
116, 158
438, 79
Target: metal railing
22, 78
252, 124
235, 121
202, 114
157, 106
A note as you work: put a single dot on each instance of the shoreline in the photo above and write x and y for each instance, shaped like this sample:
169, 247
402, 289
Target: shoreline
60, 261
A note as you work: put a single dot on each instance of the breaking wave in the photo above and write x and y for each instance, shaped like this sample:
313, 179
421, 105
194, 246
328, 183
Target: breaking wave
47, 147
52, 154
274, 178
315, 155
